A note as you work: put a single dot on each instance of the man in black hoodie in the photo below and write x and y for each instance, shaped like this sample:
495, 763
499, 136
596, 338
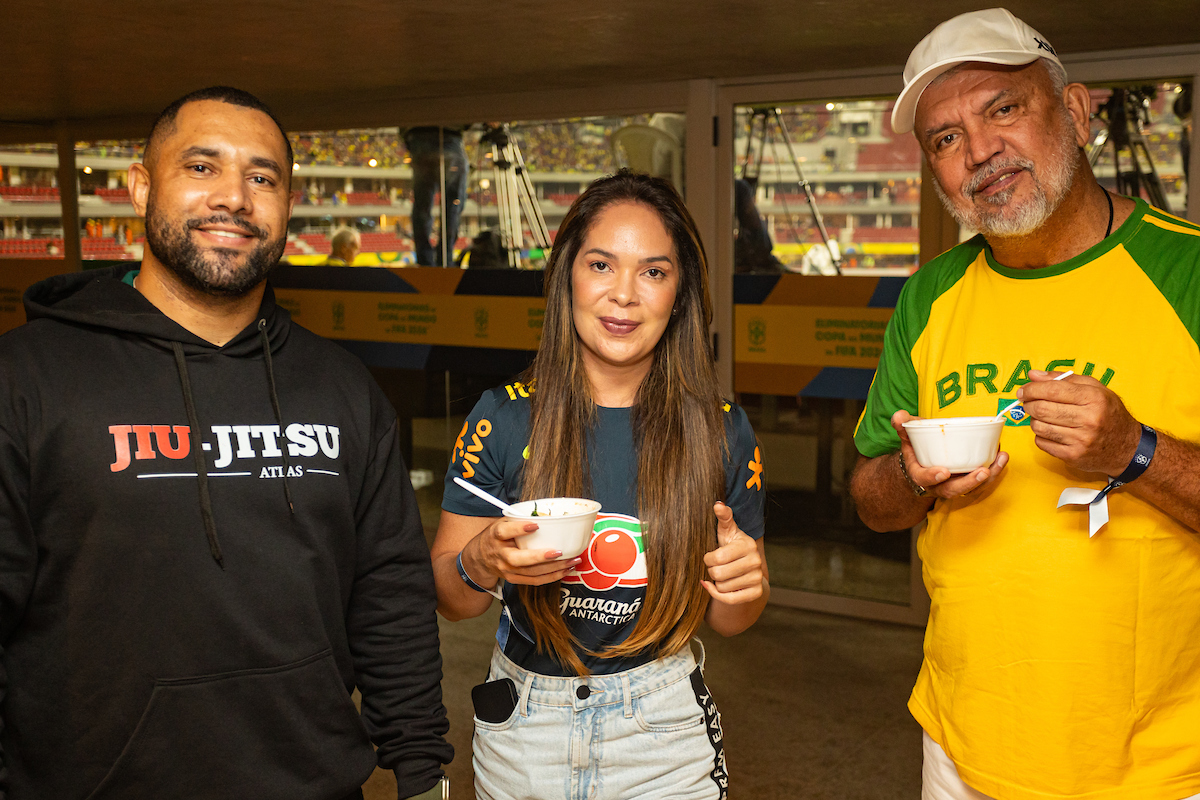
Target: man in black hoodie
207, 534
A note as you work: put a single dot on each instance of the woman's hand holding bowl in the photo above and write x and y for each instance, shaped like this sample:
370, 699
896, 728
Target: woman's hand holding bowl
494, 554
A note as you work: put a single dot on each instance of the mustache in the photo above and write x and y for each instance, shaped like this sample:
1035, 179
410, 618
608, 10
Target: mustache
971, 186
222, 219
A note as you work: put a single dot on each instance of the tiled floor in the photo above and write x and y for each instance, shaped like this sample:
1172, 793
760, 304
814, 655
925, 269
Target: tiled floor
813, 706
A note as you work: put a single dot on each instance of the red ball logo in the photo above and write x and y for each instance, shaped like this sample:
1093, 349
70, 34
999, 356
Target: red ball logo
598, 581
611, 558
613, 552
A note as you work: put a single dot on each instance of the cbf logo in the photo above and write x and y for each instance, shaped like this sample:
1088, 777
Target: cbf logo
1017, 417
615, 557
339, 316
481, 322
757, 333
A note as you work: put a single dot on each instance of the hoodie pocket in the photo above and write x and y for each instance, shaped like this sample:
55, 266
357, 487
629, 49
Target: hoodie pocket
280, 732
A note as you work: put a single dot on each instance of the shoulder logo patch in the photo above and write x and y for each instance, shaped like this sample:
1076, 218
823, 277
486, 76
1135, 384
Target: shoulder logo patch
756, 471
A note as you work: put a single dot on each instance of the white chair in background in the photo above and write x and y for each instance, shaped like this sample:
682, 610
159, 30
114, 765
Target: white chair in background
645, 148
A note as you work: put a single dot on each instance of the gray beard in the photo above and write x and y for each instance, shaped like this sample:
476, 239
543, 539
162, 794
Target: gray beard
213, 272
997, 219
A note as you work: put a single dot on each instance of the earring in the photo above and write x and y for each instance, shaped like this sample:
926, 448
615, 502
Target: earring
674, 310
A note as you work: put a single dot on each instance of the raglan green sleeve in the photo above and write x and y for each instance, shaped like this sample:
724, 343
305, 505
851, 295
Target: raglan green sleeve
895, 385
1167, 250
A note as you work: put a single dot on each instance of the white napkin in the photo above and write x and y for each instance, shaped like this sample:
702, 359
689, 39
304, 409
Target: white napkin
1095, 499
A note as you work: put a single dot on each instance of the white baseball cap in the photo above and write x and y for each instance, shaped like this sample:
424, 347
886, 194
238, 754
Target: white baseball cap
993, 36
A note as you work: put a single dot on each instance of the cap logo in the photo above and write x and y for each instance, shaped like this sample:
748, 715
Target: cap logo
1045, 46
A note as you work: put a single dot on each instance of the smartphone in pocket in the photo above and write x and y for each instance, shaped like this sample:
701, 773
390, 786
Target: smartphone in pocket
494, 701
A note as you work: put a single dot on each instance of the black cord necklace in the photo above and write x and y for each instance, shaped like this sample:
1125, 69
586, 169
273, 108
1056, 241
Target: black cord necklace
1108, 197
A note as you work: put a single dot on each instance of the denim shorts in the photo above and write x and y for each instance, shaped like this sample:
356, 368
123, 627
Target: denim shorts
652, 732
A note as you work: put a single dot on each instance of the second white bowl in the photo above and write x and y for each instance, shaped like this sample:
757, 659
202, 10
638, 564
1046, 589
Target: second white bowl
960, 444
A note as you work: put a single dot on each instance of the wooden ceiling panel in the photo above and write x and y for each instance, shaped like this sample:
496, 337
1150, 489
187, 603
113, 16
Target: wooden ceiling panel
126, 59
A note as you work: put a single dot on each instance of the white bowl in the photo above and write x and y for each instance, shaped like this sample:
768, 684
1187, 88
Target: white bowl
564, 523
960, 444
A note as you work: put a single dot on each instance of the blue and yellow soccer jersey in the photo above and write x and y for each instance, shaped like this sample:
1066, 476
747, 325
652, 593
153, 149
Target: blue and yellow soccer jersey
1056, 665
601, 598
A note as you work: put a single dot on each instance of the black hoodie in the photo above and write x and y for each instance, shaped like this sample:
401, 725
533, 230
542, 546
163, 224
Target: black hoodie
183, 627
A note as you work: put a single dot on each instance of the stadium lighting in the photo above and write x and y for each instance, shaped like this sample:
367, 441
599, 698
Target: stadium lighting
295, 167
373, 163
484, 183
87, 170
829, 106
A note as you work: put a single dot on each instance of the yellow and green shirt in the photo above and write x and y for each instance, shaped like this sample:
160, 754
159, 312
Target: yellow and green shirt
1056, 666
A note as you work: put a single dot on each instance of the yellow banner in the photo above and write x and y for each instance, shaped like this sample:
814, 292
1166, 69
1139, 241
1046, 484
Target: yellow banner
434, 319
809, 335
869, 248
361, 260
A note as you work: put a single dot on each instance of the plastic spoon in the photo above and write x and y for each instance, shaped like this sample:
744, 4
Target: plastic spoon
1015, 403
482, 495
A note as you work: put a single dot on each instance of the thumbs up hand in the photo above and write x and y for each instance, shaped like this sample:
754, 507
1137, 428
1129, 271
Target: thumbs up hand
735, 568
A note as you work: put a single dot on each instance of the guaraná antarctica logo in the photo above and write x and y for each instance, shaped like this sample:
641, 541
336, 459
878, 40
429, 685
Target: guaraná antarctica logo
615, 557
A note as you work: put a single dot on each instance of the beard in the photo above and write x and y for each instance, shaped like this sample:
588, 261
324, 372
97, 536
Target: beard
995, 216
214, 272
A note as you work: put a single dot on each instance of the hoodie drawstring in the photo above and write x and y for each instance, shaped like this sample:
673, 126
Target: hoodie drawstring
287, 465
210, 525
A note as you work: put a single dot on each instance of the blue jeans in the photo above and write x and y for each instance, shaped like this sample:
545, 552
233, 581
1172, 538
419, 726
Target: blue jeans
426, 151
652, 732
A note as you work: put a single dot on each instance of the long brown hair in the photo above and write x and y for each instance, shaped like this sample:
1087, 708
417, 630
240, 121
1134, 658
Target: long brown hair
678, 429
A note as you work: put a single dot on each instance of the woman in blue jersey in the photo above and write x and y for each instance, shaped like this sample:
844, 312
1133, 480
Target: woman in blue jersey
593, 689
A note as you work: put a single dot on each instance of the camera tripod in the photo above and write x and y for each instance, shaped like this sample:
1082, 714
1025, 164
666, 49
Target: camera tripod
514, 195
1127, 111
761, 119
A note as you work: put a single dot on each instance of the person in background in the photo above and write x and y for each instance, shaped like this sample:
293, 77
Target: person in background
593, 689
346, 243
434, 151
752, 244
208, 535
1058, 664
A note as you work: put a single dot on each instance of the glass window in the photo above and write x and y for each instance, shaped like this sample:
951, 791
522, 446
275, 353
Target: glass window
1141, 137
819, 188
354, 179
494, 193
109, 228
825, 186
515, 219
30, 211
